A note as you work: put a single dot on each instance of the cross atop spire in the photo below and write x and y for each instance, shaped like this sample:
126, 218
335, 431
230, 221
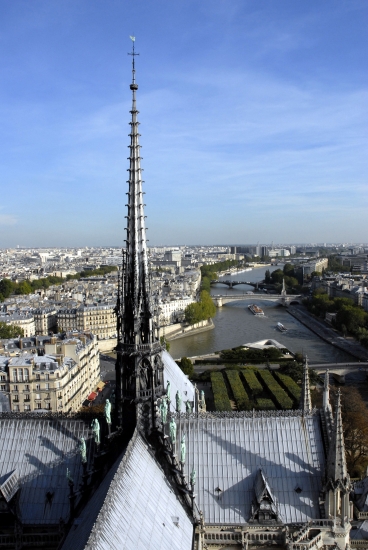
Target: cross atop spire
305, 396
133, 85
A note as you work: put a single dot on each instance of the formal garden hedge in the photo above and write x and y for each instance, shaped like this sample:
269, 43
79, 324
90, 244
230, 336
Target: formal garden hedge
276, 391
263, 404
240, 395
253, 388
289, 385
252, 382
220, 395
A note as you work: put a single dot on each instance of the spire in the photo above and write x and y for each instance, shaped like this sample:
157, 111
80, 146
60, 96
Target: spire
326, 392
138, 368
305, 396
336, 463
283, 291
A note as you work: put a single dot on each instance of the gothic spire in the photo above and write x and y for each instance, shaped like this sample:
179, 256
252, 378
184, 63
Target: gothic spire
336, 463
139, 368
305, 396
326, 392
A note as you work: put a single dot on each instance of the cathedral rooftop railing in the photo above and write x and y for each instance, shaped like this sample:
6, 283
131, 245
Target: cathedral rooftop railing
131, 348
244, 414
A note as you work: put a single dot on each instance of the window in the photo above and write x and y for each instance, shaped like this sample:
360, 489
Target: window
37, 376
26, 387
38, 405
15, 388
47, 377
38, 387
38, 396
16, 408
20, 375
26, 397
27, 407
2, 377
47, 386
15, 398
26, 375
15, 376
3, 387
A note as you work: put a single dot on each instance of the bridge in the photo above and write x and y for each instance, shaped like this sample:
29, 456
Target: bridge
231, 283
281, 299
338, 371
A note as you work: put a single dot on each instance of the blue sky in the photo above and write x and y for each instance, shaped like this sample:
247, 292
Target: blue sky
253, 120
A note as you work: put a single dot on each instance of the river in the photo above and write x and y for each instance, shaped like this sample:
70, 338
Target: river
235, 325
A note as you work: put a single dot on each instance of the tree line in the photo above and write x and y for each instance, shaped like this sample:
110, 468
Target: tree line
8, 287
200, 311
210, 272
350, 318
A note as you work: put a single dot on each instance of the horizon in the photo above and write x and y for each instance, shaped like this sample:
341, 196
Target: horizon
252, 121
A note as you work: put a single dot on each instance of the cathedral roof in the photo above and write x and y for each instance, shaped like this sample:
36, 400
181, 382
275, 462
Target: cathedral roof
228, 451
178, 382
138, 510
40, 451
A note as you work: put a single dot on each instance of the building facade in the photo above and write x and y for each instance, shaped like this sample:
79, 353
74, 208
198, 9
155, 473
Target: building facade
100, 320
58, 381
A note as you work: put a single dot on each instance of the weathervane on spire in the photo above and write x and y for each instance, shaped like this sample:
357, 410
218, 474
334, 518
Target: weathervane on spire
133, 54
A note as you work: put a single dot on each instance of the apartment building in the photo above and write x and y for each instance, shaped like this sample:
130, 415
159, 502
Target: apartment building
23, 320
100, 320
58, 381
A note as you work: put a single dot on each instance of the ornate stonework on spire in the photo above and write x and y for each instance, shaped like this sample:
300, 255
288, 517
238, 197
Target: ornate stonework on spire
305, 396
326, 392
139, 369
336, 463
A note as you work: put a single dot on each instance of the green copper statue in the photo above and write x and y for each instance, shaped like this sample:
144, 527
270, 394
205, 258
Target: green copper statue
178, 401
183, 449
193, 477
108, 411
69, 476
163, 410
168, 390
188, 407
203, 399
83, 450
96, 430
173, 431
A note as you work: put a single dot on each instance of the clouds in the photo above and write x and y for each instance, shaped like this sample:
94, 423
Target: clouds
7, 219
250, 114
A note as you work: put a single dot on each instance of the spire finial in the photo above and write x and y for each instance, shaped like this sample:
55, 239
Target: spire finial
326, 392
133, 54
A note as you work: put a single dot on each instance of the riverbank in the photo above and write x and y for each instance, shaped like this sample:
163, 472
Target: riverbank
328, 334
182, 331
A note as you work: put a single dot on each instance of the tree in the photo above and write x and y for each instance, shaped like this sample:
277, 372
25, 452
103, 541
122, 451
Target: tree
10, 331
352, 317
186, 366
6, 288
200, 311
267, 278
295, 371
354, 418
163, 341
277, 276
23, 288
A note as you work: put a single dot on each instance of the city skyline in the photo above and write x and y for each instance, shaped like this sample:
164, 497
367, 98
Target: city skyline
253, 122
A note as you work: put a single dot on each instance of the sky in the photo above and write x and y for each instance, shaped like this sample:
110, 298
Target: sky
253, 120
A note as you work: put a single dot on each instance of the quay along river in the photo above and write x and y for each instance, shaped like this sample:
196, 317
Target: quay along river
235, 325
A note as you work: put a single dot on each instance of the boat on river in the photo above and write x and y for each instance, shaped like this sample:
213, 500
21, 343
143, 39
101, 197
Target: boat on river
281, 327
256, 310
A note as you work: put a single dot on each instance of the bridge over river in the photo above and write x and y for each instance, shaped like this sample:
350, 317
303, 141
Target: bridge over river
281, 299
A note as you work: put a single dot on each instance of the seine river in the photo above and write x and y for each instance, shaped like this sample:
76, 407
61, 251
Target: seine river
236, 325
